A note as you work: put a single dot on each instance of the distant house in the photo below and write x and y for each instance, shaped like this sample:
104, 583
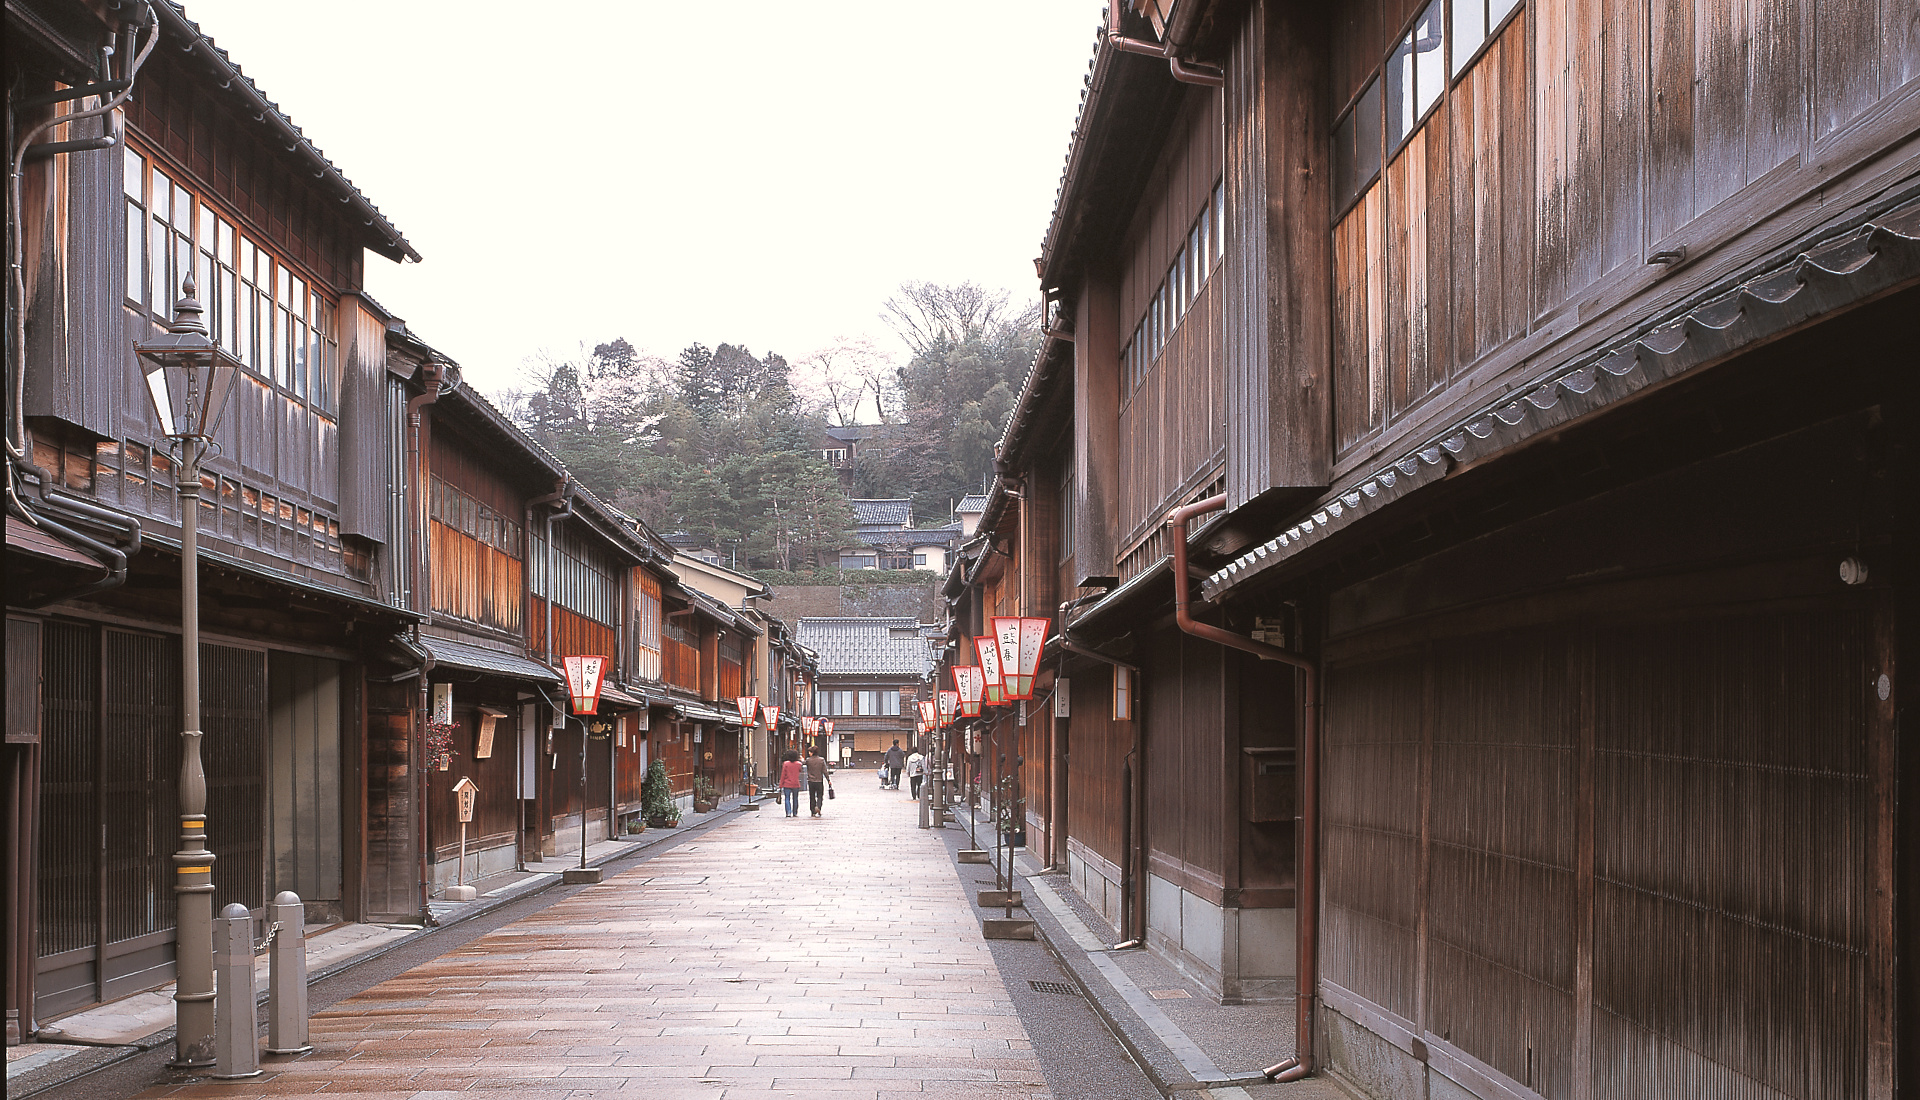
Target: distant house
885, 538
841, 446
872, 676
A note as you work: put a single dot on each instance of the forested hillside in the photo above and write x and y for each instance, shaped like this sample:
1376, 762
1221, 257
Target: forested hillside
725, 444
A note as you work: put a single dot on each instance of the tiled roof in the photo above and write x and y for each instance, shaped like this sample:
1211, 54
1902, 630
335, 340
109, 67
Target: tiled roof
972, 502
856, 647
474, 658
892, 513
899, 536
391, 243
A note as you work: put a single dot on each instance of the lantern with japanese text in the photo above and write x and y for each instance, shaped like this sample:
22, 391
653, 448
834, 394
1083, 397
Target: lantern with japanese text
1020, 641
971, 684
949, 707
929, 713
773, 719
993, 686
584, 677
749, 708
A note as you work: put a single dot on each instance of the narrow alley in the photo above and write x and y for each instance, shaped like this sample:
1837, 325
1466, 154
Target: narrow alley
832, 957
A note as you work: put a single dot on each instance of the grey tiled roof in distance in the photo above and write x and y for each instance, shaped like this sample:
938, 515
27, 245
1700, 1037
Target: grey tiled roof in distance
866, 647
890, 513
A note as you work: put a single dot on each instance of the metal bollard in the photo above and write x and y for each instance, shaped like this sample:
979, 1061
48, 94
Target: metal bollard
287, 976
236, 1026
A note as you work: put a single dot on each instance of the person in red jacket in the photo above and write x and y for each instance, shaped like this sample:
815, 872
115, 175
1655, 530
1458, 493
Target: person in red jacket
791, 778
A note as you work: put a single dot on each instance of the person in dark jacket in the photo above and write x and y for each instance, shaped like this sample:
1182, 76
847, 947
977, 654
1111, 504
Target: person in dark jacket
895, 759
817, 781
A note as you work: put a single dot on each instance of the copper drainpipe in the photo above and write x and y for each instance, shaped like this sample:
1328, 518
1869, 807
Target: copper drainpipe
1186, 73
433, 375
1308, 896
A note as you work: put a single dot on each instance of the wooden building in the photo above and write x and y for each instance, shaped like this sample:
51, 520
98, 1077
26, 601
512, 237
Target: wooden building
189, 169
873, 674
1537, 381
384, 558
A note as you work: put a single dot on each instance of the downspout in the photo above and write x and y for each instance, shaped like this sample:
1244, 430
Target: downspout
434, 375
1205, 75
562, 495
562, 491
1308, 896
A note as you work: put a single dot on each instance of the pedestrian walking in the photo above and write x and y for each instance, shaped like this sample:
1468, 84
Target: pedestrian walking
818, 782
895, 758
790, 772
916, 770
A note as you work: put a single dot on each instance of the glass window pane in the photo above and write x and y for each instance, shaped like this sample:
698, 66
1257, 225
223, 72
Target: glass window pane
1400, 107
1498, 9
229, 311
160, 197
159, 299
207, 230
1469, 30
136, 254
1428, 75
296, 298
226, 241
133, 174
1366, 137
1219, 219
183, 263
182, 210
298, 334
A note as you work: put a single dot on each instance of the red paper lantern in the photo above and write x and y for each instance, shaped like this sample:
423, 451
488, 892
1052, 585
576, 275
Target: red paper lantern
1020, 641
949, 707
584, 678
994, 690
749, 708
972, 685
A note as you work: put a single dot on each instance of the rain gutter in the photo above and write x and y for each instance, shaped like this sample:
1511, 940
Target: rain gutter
1306, 903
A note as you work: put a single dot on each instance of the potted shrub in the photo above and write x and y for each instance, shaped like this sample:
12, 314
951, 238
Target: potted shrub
656, 798
704, 796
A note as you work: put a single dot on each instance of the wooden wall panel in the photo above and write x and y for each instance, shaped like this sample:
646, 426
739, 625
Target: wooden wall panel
1500, 918
1186, 714
1731, 823
572, 633
1371, 830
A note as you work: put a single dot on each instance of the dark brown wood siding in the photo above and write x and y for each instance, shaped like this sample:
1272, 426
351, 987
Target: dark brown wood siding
1096, 765
1276, 322
1728, 812
1594, 165
1172, 423
1185, 711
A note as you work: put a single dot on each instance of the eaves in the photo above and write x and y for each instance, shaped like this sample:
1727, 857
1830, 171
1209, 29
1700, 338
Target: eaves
224, 74
1825, 275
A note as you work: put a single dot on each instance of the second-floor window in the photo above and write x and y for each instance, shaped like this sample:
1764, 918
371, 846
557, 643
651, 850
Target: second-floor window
1192, 265
257, 307
835, 456
880, 702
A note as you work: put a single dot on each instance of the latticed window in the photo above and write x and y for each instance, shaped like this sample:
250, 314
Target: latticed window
257, 306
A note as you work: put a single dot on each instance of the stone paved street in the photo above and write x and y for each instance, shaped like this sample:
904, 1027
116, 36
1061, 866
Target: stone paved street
829, 958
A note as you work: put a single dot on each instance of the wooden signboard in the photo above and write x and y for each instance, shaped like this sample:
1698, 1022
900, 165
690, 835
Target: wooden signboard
466, 789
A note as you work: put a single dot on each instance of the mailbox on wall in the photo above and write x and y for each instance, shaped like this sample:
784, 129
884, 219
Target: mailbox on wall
1267, 785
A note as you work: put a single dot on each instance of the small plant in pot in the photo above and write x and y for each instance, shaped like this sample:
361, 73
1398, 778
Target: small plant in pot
704, 796
656, 798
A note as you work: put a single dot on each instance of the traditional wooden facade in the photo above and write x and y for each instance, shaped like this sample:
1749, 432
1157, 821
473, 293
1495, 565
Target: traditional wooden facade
1535, 382
379, 547
180, 166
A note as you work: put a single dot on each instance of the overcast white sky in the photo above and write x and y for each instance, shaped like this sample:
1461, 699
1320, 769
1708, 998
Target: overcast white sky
761, 172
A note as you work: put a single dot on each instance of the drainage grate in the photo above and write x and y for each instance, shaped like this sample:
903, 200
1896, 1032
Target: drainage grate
1053, 987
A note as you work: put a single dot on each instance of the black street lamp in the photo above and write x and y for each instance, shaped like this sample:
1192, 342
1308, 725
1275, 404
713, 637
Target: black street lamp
188, 377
